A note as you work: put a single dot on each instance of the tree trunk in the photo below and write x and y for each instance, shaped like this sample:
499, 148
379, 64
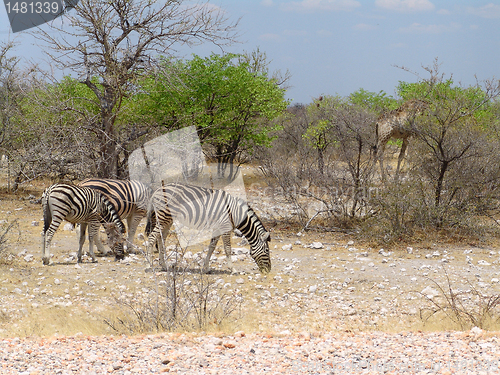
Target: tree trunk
439, 186
108, 166
321, 162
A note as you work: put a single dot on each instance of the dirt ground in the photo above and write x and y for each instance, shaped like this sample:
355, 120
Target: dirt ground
319, 282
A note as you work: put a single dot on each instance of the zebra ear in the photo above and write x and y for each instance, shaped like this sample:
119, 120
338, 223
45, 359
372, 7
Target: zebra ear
266, 236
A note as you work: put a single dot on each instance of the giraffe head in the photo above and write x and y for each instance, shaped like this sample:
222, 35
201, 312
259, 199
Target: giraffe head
415, 105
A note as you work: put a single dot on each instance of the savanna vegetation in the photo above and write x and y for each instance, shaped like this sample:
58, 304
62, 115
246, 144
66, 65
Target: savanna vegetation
128, 87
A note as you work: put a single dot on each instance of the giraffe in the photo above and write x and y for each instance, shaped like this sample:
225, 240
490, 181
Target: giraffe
399, 124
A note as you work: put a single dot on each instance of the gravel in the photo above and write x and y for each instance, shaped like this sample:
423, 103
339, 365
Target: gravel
468, 352
329, 306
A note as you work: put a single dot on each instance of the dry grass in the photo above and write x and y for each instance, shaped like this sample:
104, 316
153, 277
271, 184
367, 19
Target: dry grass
462, 309
269, 305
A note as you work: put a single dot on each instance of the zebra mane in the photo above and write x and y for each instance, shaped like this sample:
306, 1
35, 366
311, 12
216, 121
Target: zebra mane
251, 214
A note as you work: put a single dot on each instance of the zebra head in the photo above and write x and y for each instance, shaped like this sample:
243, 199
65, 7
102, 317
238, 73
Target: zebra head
108, 214
113, 226
258, 238
115, 240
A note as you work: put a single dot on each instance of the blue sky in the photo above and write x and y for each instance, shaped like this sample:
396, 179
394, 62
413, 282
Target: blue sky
338, 46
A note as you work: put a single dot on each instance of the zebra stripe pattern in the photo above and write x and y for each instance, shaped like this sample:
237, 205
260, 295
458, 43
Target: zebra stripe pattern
203, 208
130, 199
77, 204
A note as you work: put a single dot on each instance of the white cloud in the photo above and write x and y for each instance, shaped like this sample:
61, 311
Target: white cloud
417, 28
267, 3
488, 11
321, 5
406, 5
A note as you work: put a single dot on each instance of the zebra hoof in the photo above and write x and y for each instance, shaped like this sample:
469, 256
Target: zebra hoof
46, 261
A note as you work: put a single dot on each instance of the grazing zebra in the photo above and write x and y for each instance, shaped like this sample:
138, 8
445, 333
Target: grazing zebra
130, 199
202, 208
77, 204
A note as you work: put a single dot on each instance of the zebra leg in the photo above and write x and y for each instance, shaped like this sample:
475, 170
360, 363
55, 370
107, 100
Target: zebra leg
93, 235
93, 231
226, 240
211, 248
132, 224
157, 236
46, 240
83, 229
161, 247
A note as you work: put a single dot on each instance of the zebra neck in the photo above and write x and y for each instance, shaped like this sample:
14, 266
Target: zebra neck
250, 228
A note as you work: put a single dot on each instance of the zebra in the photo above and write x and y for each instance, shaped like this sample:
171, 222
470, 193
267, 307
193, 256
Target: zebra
202, 208
130, 199
77, 204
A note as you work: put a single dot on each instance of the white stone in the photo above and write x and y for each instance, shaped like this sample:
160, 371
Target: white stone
483, 263
476, 330
287, 247
68, 227
316, 245
313, 288
430, 292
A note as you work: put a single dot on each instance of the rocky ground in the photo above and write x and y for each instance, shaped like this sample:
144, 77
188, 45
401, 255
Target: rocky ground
473, 352
331, 301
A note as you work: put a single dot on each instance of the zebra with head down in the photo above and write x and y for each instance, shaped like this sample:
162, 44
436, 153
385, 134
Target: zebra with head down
78, 204
130, 199
202, 208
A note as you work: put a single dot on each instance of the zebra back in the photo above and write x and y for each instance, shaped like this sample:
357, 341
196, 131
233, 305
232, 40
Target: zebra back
77, 204
128, 196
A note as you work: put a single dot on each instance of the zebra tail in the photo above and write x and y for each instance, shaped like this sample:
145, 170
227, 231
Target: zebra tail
151, 222
47, 215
